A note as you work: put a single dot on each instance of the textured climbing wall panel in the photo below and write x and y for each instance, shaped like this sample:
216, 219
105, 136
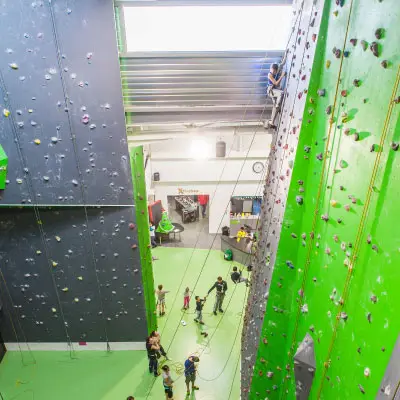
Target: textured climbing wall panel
302, 46
60, 97
69, 250
95, 294
335, 273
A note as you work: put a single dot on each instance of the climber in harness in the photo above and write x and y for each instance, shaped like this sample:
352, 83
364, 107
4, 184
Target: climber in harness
274, 90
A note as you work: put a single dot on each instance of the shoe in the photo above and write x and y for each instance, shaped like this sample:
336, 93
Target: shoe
205, 334
188, 393
215, 313
221, 310
196, 320
157, 375
201, 323
195, 388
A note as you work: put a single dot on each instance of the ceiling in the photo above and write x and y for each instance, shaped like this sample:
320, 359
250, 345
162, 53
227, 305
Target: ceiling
171, 92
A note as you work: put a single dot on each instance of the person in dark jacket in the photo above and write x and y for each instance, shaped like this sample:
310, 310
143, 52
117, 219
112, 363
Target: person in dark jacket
152, 348
237, 277
221, 287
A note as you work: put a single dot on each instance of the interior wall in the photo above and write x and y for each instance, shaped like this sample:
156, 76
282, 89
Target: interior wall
335, 275
69, 273
219, 178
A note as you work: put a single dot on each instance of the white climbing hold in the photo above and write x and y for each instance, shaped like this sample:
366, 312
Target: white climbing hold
57, 238
13, 66
367, 372
53, 310
304, 308
65, 289
76, 300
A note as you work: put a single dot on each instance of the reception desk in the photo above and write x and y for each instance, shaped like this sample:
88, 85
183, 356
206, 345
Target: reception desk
241, 250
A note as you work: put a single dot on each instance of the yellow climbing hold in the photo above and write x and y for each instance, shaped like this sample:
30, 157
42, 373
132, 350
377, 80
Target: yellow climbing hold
38, 252
80, 278
13, 66
58, 238
76, 300
54, 264
37, 141
6, 112
327, 64
30, 111
54, 310
333, 203
65, 289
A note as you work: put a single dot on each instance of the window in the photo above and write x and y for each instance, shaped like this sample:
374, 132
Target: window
207, 28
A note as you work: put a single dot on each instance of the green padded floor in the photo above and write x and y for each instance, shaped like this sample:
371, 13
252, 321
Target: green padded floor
95, 375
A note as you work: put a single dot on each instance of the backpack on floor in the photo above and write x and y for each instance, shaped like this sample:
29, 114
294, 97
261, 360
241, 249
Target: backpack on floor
228, 255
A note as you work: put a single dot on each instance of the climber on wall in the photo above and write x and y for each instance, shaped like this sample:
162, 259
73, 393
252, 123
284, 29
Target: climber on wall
274, 90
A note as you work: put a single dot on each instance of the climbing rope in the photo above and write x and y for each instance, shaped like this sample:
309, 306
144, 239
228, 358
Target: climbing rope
77, 160
361, 228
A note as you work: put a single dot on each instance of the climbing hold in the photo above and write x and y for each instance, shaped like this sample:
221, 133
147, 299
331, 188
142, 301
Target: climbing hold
338, 53
57, 238
76, 300
356, 82
319, 156
384, 64
379, 33
344, 316
344, 93
134, 246
46, 178
374, 247
394, 146
85, 119
343, 164
37, 141
132, 225
374, 47
367, 372
333, 203
92, 126
53, 310
54, 264
13, 66
356, 137
6, 112
327, 64
328, 110
362, 390
374, 147
307, 149
289, 264
304, 308
353, 42
346, 207
314, 37
321, 92
270, 374
369, 317
346, 53
65, 289
299, 200
325, 217
364, 44
74, 182
373, 298
335, 13
397, 100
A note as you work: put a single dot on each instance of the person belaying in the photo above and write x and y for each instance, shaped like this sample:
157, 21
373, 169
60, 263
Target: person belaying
190, 373
221, 287
274, 90
152, 347
237, 277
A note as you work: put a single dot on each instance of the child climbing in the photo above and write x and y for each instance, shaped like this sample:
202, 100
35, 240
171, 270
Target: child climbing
161, 299
167, 382
199, 309
186, 299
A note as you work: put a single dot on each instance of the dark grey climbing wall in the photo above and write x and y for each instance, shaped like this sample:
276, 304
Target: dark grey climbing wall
302, 44
71, 272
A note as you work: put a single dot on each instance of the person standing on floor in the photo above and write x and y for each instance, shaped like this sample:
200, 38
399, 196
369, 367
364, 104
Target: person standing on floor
152, 348
237, 277
190, 373
221, 287
161, 352
199, 310
186, 299
161, 299
167, 382
153, 235
203, 201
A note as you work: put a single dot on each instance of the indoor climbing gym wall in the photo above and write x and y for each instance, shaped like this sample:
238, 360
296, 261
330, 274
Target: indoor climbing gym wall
70, 270
331, 323
301, 52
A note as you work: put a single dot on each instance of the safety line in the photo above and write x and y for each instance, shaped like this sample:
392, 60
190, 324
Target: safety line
361, 226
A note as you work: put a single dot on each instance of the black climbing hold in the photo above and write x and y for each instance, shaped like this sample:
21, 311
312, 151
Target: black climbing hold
353, 42
369, 317
374, 47
328, 110
321, 92
373, 148
341, 187
394, 146
379, 33
300, 182
384, 64
299, 200
362, 390
307, 149
397, 100
356, 137
325, 217
340, 3
364, 44
369, 240
357, 83
339, 220
289, 264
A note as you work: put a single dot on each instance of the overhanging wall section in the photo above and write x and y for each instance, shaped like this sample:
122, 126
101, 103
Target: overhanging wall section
70, 272
335, 275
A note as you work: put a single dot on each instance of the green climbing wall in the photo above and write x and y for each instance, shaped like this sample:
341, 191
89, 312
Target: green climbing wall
336, 271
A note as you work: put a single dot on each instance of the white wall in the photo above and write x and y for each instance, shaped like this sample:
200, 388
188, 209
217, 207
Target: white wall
215, 177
